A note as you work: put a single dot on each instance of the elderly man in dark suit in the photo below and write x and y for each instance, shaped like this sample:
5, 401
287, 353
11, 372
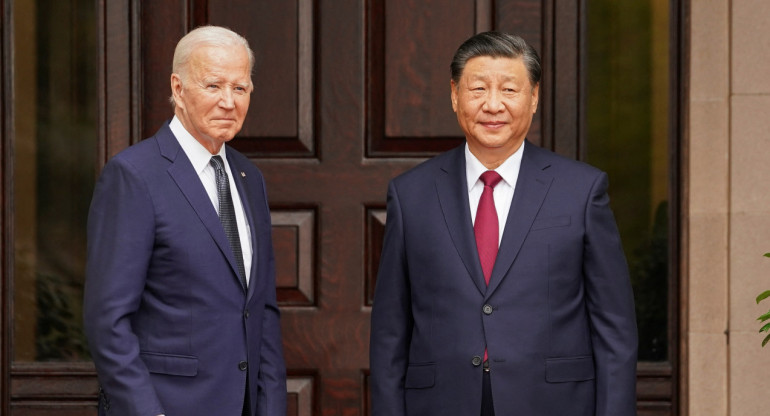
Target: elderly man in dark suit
180, 306
502, 288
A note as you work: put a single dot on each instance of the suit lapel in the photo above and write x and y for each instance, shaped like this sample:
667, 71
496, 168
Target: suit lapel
531, 188
183, 174
452, 188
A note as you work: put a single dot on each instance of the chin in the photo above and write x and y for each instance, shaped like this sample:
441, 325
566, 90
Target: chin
492, 144
225, 135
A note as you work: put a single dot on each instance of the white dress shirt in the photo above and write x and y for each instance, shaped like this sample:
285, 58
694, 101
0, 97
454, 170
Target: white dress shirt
200, 158
503, 193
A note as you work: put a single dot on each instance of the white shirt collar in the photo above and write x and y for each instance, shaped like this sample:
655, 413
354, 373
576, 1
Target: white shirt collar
199, 156
509, 170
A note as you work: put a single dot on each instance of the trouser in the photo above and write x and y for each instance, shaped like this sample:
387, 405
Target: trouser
487, 408
246, 401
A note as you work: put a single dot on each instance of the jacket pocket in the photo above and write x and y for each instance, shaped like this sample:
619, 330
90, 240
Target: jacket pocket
551, 222
420, 376
174, 365
560, 370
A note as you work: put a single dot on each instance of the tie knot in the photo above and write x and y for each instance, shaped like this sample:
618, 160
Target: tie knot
491, 178
217, 163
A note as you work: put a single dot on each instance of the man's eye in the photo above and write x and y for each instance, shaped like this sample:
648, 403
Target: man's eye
212, 86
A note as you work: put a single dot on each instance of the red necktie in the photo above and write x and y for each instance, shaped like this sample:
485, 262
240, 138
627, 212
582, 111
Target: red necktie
487, 227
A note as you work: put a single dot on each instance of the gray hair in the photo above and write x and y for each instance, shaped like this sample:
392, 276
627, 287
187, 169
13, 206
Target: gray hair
208, 36
497, 45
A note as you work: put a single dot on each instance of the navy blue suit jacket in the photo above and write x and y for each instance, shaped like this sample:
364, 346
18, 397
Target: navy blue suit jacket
557, 317
169, 324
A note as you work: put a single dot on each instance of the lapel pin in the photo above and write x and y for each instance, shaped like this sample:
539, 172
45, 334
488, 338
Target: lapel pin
243, 174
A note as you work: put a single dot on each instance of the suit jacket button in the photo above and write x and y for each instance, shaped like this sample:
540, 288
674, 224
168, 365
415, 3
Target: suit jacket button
476, 361
487, 309
243, 366
246, 314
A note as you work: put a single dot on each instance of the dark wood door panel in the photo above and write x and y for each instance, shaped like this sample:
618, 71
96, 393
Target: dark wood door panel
282, 111
409, 45
53, 389
283, 106
407, 90
161, 25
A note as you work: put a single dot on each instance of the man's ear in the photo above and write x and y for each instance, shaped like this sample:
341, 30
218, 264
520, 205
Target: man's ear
453, 87
176, 89
535, 97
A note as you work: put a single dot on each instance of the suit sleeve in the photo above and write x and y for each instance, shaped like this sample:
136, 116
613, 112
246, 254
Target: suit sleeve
120, 242
610, 304
271, 398
391, 318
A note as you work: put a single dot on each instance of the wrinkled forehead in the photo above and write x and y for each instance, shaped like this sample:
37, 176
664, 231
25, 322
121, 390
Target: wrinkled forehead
224, 62
496, 68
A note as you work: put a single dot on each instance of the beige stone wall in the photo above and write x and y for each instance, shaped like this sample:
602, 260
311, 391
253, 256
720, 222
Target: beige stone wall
728, 201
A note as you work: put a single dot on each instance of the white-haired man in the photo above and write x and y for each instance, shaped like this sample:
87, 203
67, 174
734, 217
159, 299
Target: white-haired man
180, 306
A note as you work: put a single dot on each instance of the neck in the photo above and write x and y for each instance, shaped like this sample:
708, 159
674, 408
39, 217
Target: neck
492, 158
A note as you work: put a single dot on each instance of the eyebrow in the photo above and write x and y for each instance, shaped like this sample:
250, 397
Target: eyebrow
218, 80
486, 77
211, 80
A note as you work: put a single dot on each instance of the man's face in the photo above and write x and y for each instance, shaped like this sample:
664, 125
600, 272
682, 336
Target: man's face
494, 102
212, 97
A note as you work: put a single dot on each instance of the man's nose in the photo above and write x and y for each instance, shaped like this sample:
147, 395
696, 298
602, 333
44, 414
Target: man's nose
226, 99
493, 104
